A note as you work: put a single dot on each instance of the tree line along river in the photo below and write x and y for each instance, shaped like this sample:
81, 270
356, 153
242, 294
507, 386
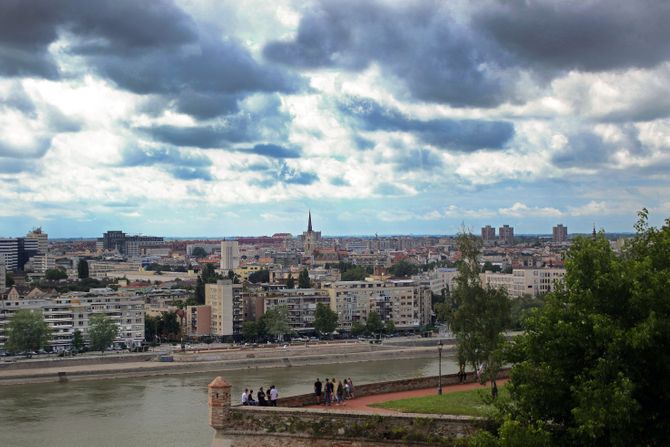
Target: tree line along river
162, 411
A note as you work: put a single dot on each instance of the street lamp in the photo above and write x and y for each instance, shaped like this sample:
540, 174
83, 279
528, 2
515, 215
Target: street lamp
439, 351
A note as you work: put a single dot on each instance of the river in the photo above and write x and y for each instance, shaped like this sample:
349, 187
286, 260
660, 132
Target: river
161, 411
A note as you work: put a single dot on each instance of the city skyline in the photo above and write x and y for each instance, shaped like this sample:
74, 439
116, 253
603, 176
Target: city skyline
222, 118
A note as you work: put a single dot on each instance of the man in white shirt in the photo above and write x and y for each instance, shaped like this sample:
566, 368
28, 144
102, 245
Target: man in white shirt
274, 394
245, 397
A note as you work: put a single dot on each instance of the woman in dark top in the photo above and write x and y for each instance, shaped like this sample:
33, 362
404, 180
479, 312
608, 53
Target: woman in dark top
261, 397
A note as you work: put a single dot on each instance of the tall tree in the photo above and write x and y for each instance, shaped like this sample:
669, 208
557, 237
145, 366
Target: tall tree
102, 331
374, 324
77, 340
169, 325
404, 268
477, 315
260, 276
593, 360
250, 330
290, 282
325, 320
275, 322
199, 252
27, 331
199, 291
55, 274
82, 269
303, 280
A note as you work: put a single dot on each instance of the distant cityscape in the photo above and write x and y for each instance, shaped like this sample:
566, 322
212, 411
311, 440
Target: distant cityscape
132, 277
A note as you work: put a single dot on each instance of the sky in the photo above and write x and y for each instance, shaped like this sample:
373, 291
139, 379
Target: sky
222, 118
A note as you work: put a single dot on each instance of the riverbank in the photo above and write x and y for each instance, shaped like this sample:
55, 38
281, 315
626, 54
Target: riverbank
226, 360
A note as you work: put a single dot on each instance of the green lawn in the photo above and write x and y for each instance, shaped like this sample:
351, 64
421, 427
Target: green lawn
470, 403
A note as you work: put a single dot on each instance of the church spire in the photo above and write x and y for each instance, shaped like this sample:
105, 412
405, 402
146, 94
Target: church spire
309, 222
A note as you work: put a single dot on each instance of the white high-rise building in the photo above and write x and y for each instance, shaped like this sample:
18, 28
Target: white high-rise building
227, 309
42, 240
230, 255
9, 252
3, 275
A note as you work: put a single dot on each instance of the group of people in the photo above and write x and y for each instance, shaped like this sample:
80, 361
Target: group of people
333, 391
263, 399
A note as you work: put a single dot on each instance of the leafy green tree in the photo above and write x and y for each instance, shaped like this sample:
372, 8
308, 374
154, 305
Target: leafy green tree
325, 319
101, 331
27, 331
55, 274
82, 269
199, 252
522, 307
303, 280
404, 268
150, 328
77, 340
374, 324
260, 276
477, 315
593, 361
355, 273
290, 282
276, 322
209, 275
250, 330
234, 277
389, 327
169, 325
489, 267
199, 292
9, 279
357, 328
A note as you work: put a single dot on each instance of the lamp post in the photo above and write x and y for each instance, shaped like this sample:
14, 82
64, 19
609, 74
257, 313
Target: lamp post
439, 383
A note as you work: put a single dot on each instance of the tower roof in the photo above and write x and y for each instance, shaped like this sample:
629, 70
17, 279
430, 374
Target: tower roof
309, 222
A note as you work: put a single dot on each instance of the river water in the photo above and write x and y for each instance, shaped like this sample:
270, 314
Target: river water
161, 411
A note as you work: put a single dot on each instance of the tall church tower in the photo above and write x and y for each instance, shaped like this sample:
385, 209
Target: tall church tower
310, 237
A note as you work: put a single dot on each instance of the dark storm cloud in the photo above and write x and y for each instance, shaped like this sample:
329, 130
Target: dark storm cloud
587, 149
582, 35
421, 43
475, 58
144, 47
18, 99
459, 135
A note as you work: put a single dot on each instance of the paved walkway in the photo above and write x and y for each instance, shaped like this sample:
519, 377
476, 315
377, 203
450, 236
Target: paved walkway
363, 403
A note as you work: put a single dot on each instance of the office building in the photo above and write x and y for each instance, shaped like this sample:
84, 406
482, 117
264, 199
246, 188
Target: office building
506, 234
230, 255
9, 251
3, 276
560, 234
525, 281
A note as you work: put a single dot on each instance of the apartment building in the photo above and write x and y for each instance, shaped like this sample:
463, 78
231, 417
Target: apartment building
405, 302
227, 307
230, 255
198, 321
300, 303
3, 276
66, 313
525, 281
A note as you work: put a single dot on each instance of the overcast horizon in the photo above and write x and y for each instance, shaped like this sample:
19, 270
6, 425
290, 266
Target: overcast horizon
389, 117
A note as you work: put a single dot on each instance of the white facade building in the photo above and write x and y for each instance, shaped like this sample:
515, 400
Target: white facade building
227, 307
230, 255
525, 281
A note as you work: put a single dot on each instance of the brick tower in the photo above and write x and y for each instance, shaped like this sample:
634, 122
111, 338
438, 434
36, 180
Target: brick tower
218, 393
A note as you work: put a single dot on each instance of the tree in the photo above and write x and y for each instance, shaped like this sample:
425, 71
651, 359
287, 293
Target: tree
9, 279
403, 268
276, 323
27, 332
290, 282
374, 324
199, 252
593, 360
82, 269
101, 331
250, 330
354, 273
55, 274
389, 327
77, 340
303, 280
234, 277
150, 328
260, 276
209, 275
199, 292
477, 315
169, 325
357, 328
325, 319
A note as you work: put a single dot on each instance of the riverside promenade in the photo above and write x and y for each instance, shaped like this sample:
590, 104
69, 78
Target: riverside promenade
240, 358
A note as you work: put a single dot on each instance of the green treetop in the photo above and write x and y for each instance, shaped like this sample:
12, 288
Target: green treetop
325, 320
101, 331
27, 331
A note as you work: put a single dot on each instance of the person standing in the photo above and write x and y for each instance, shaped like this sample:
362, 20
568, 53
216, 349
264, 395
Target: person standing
274, 395
351, 387
340, 393
318, 387
261, 397
328, 396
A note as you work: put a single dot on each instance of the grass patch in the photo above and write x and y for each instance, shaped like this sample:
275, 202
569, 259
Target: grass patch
469, 403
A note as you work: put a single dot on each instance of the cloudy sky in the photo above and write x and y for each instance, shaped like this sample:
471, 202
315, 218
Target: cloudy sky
197, 118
